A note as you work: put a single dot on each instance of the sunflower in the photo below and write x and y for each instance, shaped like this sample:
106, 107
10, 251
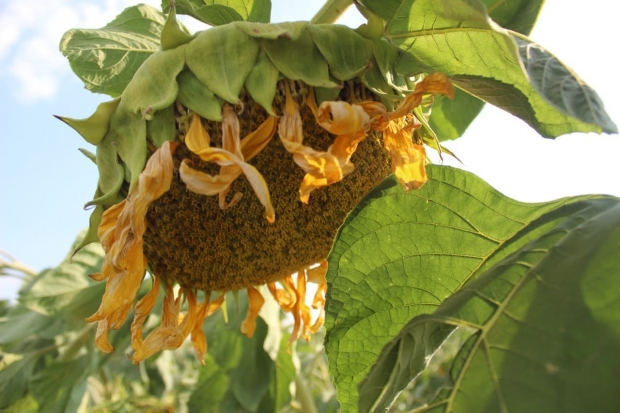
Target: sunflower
229, 172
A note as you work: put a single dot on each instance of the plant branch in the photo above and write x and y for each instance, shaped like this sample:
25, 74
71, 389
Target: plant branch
331, 11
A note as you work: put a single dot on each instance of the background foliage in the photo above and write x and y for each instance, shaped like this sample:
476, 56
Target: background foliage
515, 306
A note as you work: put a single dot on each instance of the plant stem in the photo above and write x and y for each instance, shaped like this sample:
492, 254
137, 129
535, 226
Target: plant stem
77, 343
304, 396
331, 11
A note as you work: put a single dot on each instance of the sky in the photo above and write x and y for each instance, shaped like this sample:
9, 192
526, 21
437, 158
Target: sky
45, 180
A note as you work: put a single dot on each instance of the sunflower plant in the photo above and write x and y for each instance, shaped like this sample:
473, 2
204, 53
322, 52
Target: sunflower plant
261, 183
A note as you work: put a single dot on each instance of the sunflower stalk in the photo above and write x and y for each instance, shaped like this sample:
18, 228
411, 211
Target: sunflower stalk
331, 11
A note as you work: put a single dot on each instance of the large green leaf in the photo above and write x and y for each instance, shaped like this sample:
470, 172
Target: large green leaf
61, 385
399, 255
278, 395
21, 322
451, 117
546, 324
459, 39
107, 58
561, 87
210, 389
218, 12
517, 15
66, 291
14, 379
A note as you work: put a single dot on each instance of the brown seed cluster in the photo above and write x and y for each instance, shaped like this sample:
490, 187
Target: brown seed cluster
190, 240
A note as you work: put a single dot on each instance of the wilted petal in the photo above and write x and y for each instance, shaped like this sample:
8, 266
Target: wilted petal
284, 298
303, 309
317, 274
342, 118
107, 227
230, 132
101, 337
161, 338
198, 337
318, 323
189, 321
215, 305
435, 83
319, 297
253, 143
408, 159
142, 310
125, 264
202, 183
256, 301
197, 137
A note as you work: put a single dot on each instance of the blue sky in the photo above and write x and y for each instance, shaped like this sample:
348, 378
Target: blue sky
45, 180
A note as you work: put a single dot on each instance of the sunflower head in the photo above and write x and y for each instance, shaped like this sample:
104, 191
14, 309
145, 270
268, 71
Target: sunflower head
229, 162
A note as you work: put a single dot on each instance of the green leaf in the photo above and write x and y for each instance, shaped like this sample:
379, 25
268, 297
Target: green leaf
250, 10
347, 53
92, 234
278, 395
309, 65
61, 385
561, 87
154, 85
162, 127
107, 165
195, 96
250, 381
127, 135
222, 58
399, 255
22, 322
66, 291
214, 14
219, 12
519, 15
210, 389
459, 39
14, 379
262, 81
451, 117
107, 58
94, 128
545, 321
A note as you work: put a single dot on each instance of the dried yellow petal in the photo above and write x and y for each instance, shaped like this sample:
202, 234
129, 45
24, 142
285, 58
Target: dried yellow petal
256, 301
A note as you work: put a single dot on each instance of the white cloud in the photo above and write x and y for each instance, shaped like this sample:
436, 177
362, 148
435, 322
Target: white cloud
31, 32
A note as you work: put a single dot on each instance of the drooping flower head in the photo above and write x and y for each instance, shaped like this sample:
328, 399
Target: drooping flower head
224, 172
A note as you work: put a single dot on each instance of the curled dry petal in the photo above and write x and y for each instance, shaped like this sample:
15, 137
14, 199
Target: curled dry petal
199, 339
317, 274
408, 159
319, 322
142, 310
256, 302
342, 118
121, 232
231, 159
435, 83
161, 338
284, 299
253, 143
197, 137
323, 168
215, 304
